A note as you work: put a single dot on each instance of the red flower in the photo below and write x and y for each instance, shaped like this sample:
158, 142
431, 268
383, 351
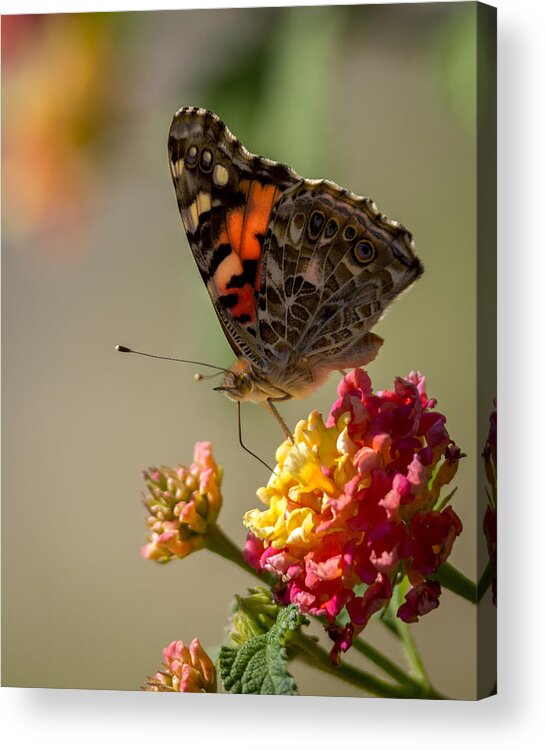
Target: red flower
432, 536
376, 596
342, 638
420, 600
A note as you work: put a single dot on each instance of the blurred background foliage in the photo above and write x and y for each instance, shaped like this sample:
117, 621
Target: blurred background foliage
380, 99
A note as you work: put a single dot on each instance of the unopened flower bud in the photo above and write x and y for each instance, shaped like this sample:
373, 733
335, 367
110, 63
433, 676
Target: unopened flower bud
186, 670
182, 503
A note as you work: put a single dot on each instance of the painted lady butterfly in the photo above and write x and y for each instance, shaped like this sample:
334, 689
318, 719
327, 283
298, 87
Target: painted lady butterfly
298, 270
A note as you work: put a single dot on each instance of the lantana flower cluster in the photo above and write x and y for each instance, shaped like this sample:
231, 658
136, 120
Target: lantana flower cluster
183, 502
355, 501
185, 670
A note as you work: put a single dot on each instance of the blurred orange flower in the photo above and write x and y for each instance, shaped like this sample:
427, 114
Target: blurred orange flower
55, 92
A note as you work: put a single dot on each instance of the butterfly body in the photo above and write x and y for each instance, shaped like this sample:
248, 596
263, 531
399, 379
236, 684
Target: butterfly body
298, 270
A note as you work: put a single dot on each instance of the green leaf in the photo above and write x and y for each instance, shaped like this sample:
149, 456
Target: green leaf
259, 666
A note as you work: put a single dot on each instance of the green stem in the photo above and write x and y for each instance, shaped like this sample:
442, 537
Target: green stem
451, 579
388, 666
222, 545
485, 581
410, 647
319, 658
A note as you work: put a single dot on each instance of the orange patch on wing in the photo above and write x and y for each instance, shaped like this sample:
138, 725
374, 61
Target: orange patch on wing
243, 224
234, 221
260, 201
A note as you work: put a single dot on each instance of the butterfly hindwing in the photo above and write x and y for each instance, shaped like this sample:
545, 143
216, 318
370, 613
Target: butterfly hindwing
332, 263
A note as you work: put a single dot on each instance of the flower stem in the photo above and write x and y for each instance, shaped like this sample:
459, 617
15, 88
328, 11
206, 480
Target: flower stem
451, 579
410, 647
222, 545
313, 654
485, 581
388, 666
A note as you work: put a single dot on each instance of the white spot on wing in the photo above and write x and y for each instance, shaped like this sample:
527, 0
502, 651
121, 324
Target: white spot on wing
295, 232
391, 222
220, 175
191, 215
312, 272
177, 168
203, 203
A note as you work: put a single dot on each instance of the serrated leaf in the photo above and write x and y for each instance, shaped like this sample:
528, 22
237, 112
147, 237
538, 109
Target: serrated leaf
259, 666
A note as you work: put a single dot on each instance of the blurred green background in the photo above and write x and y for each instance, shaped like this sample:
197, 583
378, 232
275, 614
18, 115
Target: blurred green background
380, 99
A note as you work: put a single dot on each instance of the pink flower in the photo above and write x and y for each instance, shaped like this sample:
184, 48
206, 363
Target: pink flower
420, 600
186, 670
376, 596
353, 501
253, 551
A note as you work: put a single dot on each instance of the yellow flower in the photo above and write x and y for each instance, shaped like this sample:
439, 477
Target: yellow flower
310, 472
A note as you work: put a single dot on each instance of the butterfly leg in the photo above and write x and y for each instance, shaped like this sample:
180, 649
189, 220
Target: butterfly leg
268, 404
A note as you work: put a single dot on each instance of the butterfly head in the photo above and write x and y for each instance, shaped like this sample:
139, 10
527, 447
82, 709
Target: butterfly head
244, 383
239, 383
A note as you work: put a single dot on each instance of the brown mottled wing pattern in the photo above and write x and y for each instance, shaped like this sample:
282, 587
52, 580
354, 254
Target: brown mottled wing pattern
225, 197
332, 264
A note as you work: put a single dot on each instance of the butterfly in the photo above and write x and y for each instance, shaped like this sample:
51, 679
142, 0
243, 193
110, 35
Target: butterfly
298, 270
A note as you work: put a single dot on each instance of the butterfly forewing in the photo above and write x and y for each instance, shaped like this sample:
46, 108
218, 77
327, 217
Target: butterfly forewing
225, 196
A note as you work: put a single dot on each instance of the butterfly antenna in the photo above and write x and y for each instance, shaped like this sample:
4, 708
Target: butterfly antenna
199, 376
243, 446
125, 349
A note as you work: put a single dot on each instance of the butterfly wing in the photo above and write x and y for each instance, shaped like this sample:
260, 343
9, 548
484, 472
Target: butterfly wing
225, 196
332, 264
298, 270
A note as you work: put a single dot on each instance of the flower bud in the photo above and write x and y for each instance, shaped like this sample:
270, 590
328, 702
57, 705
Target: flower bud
186, 670
255, 615
182, 503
